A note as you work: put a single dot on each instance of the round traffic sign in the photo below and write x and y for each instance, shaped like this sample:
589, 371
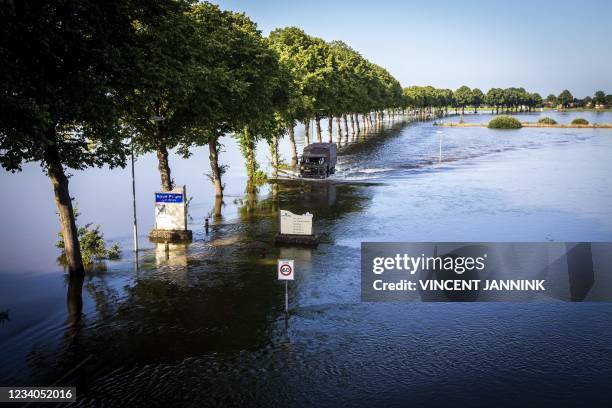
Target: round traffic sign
285, 269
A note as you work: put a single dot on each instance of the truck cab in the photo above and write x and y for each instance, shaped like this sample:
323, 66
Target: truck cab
318, 160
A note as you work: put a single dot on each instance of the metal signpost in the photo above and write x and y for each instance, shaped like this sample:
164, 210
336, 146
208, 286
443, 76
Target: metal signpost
286, 272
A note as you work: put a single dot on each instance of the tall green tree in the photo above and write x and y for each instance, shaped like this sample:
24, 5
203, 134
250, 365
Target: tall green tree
565, 98
495, 98
158, 108
463, 97
477, 99
64, 69
240, 85
599, 98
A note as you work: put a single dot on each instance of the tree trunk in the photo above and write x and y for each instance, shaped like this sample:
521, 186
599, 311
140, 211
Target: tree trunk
55, 171
352, 116
346, 130
274, 155
215, 170
74, 299
330, 122
306, 132
162, 157
218, 207
357, 122
318, 123
293, 148
338, 129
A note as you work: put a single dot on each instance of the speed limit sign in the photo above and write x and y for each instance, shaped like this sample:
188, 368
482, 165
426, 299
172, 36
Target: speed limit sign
285, 269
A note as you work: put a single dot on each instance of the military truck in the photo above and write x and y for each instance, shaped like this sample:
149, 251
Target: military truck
318, 160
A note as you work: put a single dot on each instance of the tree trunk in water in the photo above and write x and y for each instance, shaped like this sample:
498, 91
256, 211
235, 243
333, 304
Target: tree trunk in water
74, 299
330, 122
346, 130
72, 248
352, 122
357, 122
338, 129
218, 206
292, 147
318, 123
306, 132
215, 171
247, 145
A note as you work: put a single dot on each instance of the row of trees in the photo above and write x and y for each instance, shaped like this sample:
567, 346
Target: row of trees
83, 82
329, 80
565, 99
430, 98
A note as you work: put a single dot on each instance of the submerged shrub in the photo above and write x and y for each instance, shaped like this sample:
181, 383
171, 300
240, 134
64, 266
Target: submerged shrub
547, 121
505, 122
580, 121
92, 243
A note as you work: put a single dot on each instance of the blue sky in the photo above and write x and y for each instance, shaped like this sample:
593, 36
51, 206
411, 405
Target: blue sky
544, 46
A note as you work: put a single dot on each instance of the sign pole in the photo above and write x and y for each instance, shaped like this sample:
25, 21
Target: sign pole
134, 202
285, 271
286, 298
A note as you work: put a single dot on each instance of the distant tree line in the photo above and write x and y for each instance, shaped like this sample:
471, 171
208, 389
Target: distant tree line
430, 99
438, 100
566, 100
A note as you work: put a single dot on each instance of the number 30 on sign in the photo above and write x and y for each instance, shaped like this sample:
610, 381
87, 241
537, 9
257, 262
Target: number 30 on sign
285, 269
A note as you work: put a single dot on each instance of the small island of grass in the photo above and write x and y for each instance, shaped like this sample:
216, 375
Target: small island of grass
504, 122
547, 121
580, 121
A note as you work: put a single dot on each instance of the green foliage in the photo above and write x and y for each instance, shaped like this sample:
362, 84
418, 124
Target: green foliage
504, 122
478, 98
580, 121
565, 98
547, 121
259, 177
222, 170
463, 96
65, 68
330, 79
600, 98
427, 97
93, 246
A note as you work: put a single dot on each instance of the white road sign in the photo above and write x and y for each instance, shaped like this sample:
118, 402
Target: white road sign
285, 269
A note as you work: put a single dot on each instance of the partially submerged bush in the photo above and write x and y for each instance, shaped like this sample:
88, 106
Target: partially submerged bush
580, 121
505, 122
91, 241
547, 121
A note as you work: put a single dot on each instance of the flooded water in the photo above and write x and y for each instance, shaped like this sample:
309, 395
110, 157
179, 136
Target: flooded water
204, 324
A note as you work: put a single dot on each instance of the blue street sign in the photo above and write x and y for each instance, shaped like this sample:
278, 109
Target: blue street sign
168, 198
